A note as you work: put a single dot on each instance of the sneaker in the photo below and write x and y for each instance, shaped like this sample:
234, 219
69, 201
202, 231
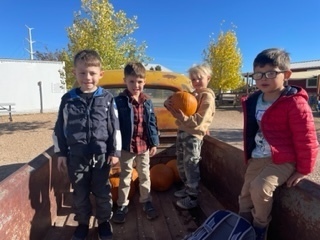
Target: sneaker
120, 215
150, 211
187, 203
105, 231
261, 233
181, 193
81, 232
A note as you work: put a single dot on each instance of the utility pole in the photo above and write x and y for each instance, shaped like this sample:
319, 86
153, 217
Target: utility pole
30, 43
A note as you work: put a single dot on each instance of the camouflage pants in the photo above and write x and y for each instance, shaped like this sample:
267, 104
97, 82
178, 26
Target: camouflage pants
188, 158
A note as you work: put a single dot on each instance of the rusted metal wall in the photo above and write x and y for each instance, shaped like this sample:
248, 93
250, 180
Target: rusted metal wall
222, 171
296, 211
29, 199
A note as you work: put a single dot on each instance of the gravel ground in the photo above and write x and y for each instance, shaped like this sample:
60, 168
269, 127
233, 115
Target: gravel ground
30, 135
23, 139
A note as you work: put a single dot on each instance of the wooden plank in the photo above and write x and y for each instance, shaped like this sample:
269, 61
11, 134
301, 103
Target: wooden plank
208, 202
177, 220
160, 225
64, 225
146, 228
173, 223
62, 228
127, 230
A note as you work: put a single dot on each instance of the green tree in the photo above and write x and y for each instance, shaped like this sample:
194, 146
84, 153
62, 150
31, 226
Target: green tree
158, 68
225, 60
98, 26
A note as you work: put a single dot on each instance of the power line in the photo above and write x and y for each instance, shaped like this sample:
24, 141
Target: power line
30, 50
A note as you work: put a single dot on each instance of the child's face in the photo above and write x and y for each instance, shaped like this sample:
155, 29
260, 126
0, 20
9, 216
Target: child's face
199, 81
134, 84
87, 76
274, 84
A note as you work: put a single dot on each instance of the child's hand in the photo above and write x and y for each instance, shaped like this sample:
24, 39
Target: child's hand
112, 160
167, 103
62, 164
294, 179
152, 151
178, 114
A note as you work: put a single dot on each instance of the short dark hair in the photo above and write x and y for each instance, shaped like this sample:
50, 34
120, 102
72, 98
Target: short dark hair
135, 69
273, 56
89, 57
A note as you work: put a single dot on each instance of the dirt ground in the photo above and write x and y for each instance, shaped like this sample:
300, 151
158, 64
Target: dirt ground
29, 135
23, 139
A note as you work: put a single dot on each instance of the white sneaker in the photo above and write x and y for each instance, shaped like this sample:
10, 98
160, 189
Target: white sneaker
181, 193
187, 203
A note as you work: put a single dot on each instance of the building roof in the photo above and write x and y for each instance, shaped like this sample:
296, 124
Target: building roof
305, 64
296, 66
5, 60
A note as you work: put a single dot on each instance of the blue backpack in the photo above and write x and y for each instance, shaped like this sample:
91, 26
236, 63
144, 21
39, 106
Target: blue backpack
224, 225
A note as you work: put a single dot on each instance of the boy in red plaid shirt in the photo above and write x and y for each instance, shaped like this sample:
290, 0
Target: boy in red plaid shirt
140, 139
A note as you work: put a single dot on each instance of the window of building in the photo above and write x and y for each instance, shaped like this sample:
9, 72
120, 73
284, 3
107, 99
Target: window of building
312, 82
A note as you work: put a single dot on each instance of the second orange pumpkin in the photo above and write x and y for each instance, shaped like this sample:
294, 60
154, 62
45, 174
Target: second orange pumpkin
115, 180
161, 176
173, 165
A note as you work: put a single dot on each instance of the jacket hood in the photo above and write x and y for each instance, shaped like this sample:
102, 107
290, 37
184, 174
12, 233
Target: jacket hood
204, 90
98, 92
295, 90
288, 91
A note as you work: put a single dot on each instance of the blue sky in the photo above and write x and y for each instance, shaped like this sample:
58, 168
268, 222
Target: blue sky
176, 31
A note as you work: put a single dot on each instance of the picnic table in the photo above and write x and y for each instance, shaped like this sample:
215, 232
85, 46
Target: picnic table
7, 107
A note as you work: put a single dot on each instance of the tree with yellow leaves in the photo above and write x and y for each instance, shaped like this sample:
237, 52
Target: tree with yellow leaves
99, 27
225, 60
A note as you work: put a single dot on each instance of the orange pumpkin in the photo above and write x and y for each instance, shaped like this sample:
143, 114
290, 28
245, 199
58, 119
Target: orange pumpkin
161, 176
115, 180
173, 165
184, 101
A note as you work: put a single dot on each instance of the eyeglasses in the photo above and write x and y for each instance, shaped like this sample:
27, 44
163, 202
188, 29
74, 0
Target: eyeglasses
268, 75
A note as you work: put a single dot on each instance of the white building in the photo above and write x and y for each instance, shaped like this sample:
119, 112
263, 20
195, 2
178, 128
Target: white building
33, 86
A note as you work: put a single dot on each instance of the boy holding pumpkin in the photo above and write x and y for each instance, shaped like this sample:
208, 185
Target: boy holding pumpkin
191, 130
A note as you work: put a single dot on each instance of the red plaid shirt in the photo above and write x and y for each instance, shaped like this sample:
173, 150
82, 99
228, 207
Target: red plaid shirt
139, 139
